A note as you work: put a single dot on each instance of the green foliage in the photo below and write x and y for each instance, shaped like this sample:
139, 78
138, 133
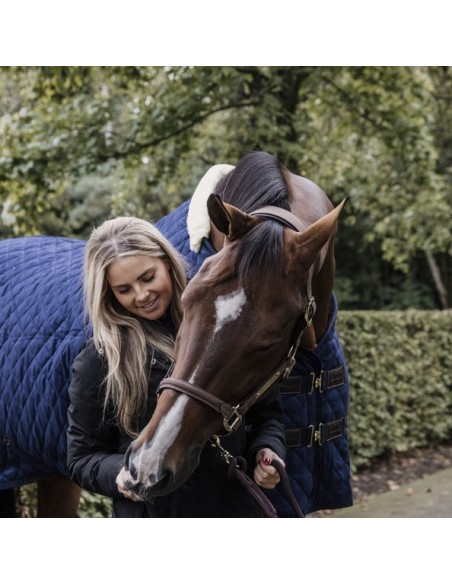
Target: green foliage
400, 367
91, 505
81, 144
381, 152
27, 500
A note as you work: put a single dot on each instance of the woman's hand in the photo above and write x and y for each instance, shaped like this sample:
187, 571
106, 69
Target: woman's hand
121, 481
266, 475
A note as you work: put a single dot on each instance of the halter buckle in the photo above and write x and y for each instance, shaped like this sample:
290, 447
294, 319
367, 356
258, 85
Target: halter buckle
236, 421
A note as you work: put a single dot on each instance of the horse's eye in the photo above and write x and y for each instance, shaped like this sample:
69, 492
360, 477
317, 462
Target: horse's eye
267, 346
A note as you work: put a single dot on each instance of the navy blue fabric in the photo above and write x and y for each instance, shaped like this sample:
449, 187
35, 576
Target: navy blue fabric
319, 475
174, 228
41, 332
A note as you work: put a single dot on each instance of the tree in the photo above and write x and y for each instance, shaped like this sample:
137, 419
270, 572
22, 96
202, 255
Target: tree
389, 163
370, 133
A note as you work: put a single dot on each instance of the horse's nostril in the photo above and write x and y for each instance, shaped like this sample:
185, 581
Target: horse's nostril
133, 470
126, 458
129, 465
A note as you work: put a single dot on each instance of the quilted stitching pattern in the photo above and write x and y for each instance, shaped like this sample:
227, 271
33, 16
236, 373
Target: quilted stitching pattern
319, 475
41, 331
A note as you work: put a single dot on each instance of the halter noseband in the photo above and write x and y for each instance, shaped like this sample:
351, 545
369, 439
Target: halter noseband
233, 415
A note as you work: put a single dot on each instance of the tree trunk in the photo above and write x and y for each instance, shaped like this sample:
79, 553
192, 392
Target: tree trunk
437, 279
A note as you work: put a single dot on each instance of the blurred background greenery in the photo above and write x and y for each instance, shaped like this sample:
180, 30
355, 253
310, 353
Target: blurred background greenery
80, 144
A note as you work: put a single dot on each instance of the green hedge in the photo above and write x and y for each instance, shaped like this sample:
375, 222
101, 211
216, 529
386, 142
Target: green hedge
400, 367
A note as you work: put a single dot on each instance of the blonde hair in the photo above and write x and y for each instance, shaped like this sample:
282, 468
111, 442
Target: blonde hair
122, 337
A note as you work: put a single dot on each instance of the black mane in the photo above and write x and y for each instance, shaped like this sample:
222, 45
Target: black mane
257, 181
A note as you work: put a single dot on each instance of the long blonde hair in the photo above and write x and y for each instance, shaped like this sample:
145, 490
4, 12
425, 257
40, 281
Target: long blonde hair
123, 338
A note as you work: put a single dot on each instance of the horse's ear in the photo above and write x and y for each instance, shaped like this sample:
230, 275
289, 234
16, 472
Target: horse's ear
311, 241
228, 219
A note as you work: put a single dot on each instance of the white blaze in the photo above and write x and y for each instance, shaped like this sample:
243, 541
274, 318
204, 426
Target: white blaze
228, 308
147, 461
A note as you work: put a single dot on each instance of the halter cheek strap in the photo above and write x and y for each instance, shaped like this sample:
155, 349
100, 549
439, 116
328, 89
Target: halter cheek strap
233, 415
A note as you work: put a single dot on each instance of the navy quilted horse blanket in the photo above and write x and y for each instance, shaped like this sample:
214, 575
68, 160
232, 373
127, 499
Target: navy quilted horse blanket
42, 329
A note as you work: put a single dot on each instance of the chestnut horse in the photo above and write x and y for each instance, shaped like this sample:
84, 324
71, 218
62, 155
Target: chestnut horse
246, 312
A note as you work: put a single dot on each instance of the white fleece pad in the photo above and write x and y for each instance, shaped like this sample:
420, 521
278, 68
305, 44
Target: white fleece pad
198, 222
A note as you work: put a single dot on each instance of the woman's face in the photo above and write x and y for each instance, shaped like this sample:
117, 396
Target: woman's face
142, 285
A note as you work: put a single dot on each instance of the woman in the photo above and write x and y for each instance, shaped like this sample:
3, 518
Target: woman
133, 281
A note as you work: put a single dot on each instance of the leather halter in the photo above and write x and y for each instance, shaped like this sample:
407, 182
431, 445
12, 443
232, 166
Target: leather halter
233, 415
282, 216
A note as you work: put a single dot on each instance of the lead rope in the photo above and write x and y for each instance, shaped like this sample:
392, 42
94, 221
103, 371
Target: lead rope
237, 471
287, 488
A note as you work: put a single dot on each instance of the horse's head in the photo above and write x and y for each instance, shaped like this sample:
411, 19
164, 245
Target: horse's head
240, 314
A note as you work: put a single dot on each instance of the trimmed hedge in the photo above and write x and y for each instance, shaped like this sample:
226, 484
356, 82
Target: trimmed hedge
400, 367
